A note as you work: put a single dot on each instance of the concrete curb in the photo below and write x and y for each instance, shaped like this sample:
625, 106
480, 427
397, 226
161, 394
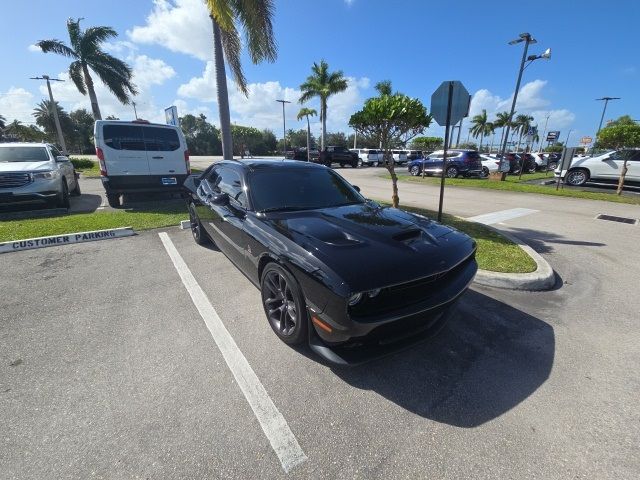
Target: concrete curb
542, 279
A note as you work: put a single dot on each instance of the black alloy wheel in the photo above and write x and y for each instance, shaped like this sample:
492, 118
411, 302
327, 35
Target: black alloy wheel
485, 172
283, 304
552, 166
113, 199
199, 235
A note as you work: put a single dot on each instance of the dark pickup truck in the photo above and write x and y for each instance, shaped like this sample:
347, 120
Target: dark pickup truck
341, 155
301, 154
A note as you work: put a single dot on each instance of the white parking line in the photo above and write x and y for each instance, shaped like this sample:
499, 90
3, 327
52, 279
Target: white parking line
502, 215
273, 424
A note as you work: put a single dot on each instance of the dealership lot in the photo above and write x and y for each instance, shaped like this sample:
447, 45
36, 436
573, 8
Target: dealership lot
108, 370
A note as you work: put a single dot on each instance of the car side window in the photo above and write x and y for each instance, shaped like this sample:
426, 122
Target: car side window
55, 152
229, 182
124, 137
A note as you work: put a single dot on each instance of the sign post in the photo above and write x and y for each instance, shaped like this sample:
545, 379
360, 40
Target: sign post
171, 115
565, 163
449, 104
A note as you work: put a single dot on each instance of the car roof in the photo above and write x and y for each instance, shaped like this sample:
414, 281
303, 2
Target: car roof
253, 164
142, 123
25, 144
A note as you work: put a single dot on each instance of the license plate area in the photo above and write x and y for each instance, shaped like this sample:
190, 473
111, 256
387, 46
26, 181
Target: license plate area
169, 181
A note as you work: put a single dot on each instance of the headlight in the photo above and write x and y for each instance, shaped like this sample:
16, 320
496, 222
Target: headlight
373, 293
48, 175
355, 298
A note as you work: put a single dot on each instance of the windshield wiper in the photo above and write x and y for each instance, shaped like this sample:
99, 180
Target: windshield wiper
284, 208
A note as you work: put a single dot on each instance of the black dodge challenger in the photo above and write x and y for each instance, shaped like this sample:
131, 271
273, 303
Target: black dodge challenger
348, 276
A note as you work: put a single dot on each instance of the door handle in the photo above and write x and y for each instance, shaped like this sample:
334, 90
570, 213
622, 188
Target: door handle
157, 158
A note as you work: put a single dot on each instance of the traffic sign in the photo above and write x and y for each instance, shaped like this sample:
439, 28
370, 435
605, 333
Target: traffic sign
460, 101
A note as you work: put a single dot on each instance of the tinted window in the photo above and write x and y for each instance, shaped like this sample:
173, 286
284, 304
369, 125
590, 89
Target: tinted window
23, 154
225, 180
161, 139
55, 152
123, 137
300, 188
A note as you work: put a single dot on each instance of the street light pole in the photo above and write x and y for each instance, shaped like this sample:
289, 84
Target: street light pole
54, 107
604, 109
135, 112
566, 142
284, 129
544, 131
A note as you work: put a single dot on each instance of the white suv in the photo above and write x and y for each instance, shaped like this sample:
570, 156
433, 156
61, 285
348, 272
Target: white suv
36, 173
399, 156
368, 156
139, 157
602, 168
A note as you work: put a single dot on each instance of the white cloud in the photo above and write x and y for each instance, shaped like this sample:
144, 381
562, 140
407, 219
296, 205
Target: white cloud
260, 109
181, 26
17, 104
530, 100
146, 72
34, 48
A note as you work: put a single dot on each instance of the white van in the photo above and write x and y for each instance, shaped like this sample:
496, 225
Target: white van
140, 157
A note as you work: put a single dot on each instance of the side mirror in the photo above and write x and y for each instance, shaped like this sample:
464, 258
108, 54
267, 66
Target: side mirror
357, 188
220, 199
62, 158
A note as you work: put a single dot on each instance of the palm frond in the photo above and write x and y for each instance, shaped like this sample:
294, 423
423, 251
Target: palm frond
232, 46
222, 13
255, 17
92, 37
56, 46
75, 35
119, 85
75, 74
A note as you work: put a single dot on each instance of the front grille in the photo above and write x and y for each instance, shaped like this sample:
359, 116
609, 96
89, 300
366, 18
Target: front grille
405, 294
14, 180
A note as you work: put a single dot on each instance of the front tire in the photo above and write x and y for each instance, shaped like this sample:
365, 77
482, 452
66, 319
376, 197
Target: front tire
552, 166
197, 230
485, 172
284, 304
357, 164
63, 199
415, 170
577, 178
452, 172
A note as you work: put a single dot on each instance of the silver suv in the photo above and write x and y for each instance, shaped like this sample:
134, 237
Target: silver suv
36, 173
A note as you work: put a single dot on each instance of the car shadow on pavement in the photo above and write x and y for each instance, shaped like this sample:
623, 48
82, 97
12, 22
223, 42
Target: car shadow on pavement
540, 241
487, 359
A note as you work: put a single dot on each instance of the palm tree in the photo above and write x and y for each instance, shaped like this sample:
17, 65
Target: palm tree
481, 127
255, 18
521, 124
322, 83
306, 112
501, 121
384, 87
43, 114
87, 54
23, 133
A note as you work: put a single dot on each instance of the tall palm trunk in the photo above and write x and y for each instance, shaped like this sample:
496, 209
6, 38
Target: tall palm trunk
92, 93
481, 139
223, 95
308, 140
323, 113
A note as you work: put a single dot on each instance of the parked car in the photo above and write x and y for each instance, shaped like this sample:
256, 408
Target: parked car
413, 154
140, 157
341, 155
36, 173
604, 168
301, 154
335, 270
553, 159
399, 157
528, 162
514, 162
368, 156
489, 165
459, 162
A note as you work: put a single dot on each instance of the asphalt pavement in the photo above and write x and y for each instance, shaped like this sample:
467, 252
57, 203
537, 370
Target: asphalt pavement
108, 370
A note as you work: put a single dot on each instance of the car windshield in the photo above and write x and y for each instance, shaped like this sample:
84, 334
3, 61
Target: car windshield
299, 189
23, 154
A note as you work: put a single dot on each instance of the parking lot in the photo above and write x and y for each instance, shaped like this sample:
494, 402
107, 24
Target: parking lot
108, 369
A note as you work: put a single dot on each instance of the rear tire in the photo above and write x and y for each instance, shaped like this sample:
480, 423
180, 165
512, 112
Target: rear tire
284, 304
452, 172
485, 172
197, 230
113, 199
357, 164
415, 170
577, 177
552, 166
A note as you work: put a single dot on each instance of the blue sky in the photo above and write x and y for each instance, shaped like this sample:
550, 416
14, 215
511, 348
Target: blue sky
415, 44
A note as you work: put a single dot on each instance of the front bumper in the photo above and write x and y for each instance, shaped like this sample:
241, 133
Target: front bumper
37, 191
353, 341
123, 184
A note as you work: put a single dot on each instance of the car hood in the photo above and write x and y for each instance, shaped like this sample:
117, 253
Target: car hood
373, 247
25, 166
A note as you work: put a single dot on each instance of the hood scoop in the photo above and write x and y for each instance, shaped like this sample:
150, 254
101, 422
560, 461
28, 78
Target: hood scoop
407, 235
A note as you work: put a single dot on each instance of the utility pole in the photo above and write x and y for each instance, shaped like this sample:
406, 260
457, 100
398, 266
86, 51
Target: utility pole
604, 109
459, 130
55, 110
135, 112
284, 129
544, 131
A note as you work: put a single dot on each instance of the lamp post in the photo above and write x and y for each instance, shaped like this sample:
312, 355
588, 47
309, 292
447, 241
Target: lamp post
566, 142
284, 129
54, 108
604, 109
528, 40
544, 131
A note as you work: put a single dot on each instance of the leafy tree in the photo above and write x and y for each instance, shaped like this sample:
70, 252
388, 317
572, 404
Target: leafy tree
481, 126
338, 139
555, 148
269, 142
45, 119
82, 137
255, 18
428, 144
621, 133
468, 146
521, 125
306, 113
202, 137
248, 137
384, 87
23, 133
87, 54
391, 117
3, 124
112, 117
322, 84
